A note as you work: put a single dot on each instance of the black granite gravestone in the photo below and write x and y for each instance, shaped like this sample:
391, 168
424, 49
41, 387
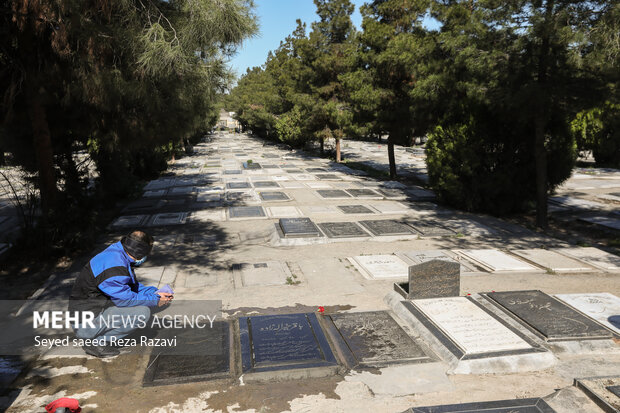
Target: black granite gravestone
534, 405
283, 342
355, 209
209, 359
373, 339
363, 193
246, 212
386, 227
251, 165
333, 193
548, 316
274, 196
615, 390
342, 230
265, 184
434, 279
298, 227
238, 185
602, 390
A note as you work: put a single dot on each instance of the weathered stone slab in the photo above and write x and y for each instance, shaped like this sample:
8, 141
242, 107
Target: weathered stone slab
387, 227
497, 261
373, 339
355, 209
571, 202
466, 328
284, 342
333, 193
210, 361
265, 184
535, 405
283, 212
419, 257
155, 193
129, 221
251, 165
232, 172
244, 197
292, 184
180, 190
552, 260
434, 279
342, 230
209, 197
364, 193
593, 256
274, 196
328, 177
607, 222
246, 212
316, 170
238, 185
390, 207
392, 193
318, 184
549, 317
602, 390
298, 227
381, 266
262, 273
603, 307
430, 228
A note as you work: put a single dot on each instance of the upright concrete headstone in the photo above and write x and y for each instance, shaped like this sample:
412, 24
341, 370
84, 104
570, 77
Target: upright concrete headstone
434, 279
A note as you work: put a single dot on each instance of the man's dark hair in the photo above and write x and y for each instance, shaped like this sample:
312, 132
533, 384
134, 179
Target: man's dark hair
138, 244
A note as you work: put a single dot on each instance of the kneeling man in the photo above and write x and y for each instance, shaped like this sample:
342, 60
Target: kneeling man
108, 287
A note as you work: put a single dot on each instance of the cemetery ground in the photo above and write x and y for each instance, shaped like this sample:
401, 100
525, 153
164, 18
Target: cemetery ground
276, 234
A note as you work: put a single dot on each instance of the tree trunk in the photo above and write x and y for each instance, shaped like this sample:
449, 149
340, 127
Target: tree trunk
43, 152
540, 155
322, 146
337, 150
391, 156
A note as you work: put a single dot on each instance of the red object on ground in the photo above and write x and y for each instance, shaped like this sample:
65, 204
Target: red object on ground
321, 309
71, 404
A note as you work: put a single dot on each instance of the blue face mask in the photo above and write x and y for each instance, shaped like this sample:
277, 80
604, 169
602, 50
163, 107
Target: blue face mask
139, 262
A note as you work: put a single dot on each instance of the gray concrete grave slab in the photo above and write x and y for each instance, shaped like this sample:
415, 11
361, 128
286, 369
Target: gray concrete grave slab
209, 197
261, 274
333, 194
593, 256
355, 209
318, 185
391, 207
281, 178
199, 280
319, 210
430, 228
303, 177
283, 212
274, 196
607, 222
575, 203
392, 193
246, 212
602, 391
603, 307
373, 339
180, 190
208, 215
552, 260
342, 230
364, 193
292, 184
265, 184
232, 172
328, 177
168, 218
547, 316
497, 261
238, 185
155, 193
284, 346
467, 268
376, 267
387, 227
298, 227
126, 221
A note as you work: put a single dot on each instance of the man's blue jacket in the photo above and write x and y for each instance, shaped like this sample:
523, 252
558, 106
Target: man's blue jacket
108, 279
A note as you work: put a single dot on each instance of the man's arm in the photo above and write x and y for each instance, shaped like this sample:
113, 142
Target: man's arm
117, 288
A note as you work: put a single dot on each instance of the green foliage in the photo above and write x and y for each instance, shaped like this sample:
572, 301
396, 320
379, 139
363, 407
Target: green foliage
598, 130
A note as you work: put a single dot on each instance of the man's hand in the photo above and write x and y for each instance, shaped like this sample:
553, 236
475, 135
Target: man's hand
164, 298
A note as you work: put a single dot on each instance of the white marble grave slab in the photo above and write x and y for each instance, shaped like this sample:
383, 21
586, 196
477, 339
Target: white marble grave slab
552, 260
497, 261
418, 257
599, 306
593, 256
281, 178
283, 212
319, 210
376, 267
169, 218
470, 327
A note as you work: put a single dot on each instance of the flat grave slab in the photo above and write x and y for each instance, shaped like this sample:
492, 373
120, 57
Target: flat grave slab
364, 193
430, 228
593, 256
274, 196
180, 190
242, 197
547, 316
303, 177
571, 202
607, 222
293, 171
316, 170
603, 307
265, 184
210, 359
421, 194
376, 267
292, 184
466, 328
328, 177
209, 197
158, 193
261, 274
552, 260
342, 230
281, 178
288, 342
126, 221
390, 207
387, 227
392, 193
602, 390
333, 193
497, 261
373, 339
251, 165
238, 185
246, 212
533, 405
208, 215
355, 209
318, 184
168, 218
298, 227
469, 227
232, 172
419, 257
283, 212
